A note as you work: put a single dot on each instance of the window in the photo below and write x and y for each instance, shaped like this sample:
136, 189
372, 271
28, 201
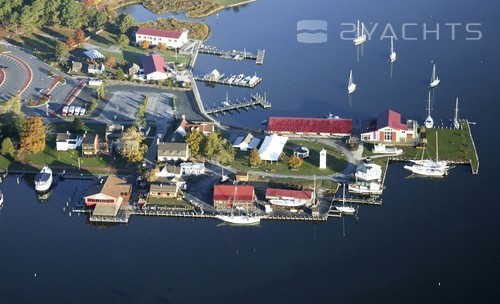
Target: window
387, 135
365, 137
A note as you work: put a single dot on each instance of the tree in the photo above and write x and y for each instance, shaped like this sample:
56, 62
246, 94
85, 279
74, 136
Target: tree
97, 18
33, 134
120, 75
61, 50
125, 22
254, 159
295, 162
8, 147
226, 152
101, 91
132, 149
210, 145
151, 175
72, 14
110, 61
194, 140
145, 44
123, 41
77, 126
162, 46
71, 43
79, 36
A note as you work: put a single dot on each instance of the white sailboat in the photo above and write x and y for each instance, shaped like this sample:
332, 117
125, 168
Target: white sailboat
360, 34
434, 78
428, 167
224, 178
238, 219
456, 124
344, 208
429, 122
393, 54
351, 87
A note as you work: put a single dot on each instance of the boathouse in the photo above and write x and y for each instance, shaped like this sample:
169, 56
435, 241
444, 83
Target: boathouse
171, 39
233, 196
109, 191
324, 127
388, 127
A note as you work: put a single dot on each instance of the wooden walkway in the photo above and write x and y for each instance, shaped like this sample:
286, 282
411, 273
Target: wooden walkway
233, 54
256, 100
227, 82
359, 200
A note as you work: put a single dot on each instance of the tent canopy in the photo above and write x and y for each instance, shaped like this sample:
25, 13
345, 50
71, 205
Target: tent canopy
271, 148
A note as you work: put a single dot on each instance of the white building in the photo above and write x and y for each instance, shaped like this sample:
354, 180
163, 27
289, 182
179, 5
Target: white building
171, 39
67, 141
247, 142
192, 168
272, 147
155, 67
368, 171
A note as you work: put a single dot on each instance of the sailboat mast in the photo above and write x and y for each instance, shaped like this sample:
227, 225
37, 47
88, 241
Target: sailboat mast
437, 148
350, 78
392, 45
429, 105
456, 110
433, 72
343, 194
357, 29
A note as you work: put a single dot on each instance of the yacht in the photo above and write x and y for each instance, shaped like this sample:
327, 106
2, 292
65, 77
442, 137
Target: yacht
231, 79
351, 87
362, 187
429, 122
239, 78
239, 219
428, 167
43, 179
344, 208
393, 54
434, 79
383, 149
360, 34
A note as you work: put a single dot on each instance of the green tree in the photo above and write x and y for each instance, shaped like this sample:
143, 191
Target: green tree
101, 91
123, 41
92, 106
226, 152
194, 140
254, 159
77, 126
210, 145
8, 147
52, 13
132, 149
295, 162
72, 14
61, 51
120, 75
125, 22
97, 18
11, 123
32, 139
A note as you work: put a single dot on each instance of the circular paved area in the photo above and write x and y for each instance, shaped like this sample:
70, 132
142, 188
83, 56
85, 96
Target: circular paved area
17, 76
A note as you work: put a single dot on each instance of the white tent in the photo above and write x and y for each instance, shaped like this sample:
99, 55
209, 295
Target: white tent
93, 54
271, 148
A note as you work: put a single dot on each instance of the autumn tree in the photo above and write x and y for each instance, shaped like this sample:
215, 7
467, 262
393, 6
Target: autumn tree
194, 140
145, 44
71, 43
254, 159
79, 36
32, 137
295, 162
215, 147
123, 41
8, 147
132, 149
110, 61
162, 47
152, 175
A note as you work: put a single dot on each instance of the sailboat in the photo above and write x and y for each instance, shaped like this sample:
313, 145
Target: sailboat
344, 208
434, 79
224, 178
238, 219
456, 124
393, 54
351, 87
428, 167
429, 122
360, 35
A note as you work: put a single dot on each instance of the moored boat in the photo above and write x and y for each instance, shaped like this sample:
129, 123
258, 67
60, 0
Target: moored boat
287, 202
43, 179
239, 219
383, 149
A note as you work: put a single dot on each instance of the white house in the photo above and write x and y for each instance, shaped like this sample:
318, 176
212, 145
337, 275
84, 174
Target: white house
192, 168
388, 127
368, 171
67, 141
171, 39
155, 67
96, 69
246, 142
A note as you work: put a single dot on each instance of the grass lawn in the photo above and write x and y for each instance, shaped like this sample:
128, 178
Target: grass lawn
62, 127
335, 161
168, 202
44, 46
320, 184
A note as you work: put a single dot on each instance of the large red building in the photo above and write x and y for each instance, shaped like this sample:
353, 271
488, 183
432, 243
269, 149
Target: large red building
388, 127
231, 196
295, 126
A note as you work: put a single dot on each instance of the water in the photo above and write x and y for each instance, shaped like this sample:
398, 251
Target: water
432, 241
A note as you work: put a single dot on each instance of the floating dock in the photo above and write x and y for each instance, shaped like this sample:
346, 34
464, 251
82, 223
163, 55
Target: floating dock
358, 200
233, 54
257, 100
230, 81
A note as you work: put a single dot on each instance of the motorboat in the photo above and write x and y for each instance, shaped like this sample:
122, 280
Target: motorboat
351, 87
362, 187
231, 79
381, 148
43, 179
239, 78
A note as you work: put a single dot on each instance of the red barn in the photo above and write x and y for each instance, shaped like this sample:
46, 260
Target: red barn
294, 126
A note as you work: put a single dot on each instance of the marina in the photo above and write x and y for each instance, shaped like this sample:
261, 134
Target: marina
227, 106
240, 80
233, 54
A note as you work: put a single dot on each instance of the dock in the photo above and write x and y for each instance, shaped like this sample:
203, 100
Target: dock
233, 54
256, 100
359, 200
245, 81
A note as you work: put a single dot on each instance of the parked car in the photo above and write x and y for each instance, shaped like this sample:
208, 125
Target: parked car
65, 111
82, 111
71, 111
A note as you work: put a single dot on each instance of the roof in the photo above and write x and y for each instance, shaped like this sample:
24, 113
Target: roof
233, 193
169, 169
172, 149
89, 138
283, 193
162, 188
158, 33
153, 63
77, 64
93, 54
106, 209
384, 119
309, 125
112, 186
272, 147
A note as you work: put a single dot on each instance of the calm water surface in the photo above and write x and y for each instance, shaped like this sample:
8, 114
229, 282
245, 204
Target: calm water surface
433, 241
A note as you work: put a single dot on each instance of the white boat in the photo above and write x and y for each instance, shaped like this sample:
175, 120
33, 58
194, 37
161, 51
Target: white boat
246, 79
231, 79
456, 124
1, 198
344, 208
351, 87
429, 122
393, 54
239, 219
383, 149
239, 78
434, 79
362, 187
360, 34
427, 167
43, 179
224, 178
287, 203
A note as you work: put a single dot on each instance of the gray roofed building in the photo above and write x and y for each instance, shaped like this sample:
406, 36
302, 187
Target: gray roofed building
172, 151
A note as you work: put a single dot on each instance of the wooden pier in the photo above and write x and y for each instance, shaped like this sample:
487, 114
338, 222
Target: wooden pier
233, 54
301, 217
358, 200
250, 84
256, 100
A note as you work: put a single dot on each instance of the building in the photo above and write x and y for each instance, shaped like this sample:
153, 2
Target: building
96, 68
301, 152
163, 190
368, 171
185, 126
172, 151
111, 191
67, 141
272, 147
299, 197
76, 66
322, 159
114, 130
388, 127
155, 67
169, 171
192, 168
90, 144
247, 142
233, 196
134, 69
171, 39
325, 127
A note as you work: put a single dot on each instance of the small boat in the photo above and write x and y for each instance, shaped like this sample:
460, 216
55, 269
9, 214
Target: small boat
239, 78
383, 149
239, 219
429, 122
1, 198
231, 79
287, 203
43, 179
434, 78
344, 208
393, 54
246, 79
360, 34
351, 87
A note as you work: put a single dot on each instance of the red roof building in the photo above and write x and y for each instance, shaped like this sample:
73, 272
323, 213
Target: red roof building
310, 126
171, 39
388, 127
300, 198
229, 196
155, 67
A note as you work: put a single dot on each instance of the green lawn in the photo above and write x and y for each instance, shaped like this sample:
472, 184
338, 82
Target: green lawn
168, 202
335, 161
